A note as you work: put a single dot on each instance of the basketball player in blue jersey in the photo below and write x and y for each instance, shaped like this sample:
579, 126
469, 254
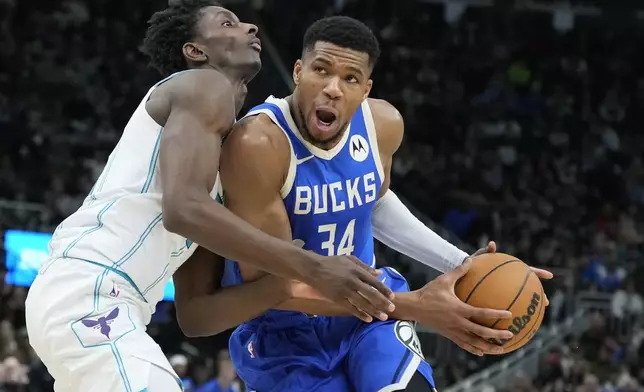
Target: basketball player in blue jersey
87, 310
314, 168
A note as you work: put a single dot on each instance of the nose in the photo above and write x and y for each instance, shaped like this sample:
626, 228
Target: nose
252, 29
332, 88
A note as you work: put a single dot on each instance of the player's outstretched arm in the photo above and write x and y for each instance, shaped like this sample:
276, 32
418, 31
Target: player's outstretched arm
393, 224
205, 309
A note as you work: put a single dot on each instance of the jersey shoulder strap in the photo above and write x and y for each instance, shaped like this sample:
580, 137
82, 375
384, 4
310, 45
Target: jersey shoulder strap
274, 109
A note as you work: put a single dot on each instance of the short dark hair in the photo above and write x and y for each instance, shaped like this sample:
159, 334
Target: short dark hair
345, 32
169, 30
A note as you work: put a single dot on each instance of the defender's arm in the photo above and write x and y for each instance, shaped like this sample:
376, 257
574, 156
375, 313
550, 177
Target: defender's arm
204, 309
201, 109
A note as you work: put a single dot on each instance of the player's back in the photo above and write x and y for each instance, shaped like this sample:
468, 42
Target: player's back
329, 195
120, 222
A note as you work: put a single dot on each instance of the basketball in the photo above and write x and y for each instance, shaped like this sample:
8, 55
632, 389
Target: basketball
501, 281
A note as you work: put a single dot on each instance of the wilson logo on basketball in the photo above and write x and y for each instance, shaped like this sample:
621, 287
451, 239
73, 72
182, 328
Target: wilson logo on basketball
519, 323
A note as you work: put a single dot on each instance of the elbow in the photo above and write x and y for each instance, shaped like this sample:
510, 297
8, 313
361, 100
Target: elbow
191, 331
174, 221
192, 328
194, 325
176, 215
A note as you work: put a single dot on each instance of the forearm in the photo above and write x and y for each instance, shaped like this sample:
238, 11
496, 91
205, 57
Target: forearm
214, 227
229, 307
395, 226
307, 300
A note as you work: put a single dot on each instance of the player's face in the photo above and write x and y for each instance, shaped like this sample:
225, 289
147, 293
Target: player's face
331, 84
229, 43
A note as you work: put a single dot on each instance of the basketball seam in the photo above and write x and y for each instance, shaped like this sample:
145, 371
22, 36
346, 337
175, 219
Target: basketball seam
535, 324
486, 276
525, 281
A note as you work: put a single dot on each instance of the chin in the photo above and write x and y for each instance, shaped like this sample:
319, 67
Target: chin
324, 137
252, 68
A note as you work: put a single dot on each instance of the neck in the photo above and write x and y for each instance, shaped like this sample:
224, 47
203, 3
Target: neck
300, 122
238, 78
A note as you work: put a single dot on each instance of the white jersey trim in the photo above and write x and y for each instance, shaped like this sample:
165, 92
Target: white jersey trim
292, 166
373, 138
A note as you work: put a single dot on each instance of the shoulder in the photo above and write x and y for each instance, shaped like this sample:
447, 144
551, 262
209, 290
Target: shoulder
257, 134
256, 142
390, 127
199, 85
206, 93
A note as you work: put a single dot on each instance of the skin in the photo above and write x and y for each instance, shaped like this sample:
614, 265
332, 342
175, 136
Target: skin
254, 166
197, 109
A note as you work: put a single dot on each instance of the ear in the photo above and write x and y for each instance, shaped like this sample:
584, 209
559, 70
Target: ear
194, 52
297, 71
367, 89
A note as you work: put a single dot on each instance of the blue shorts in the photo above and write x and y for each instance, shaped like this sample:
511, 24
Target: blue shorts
293, 352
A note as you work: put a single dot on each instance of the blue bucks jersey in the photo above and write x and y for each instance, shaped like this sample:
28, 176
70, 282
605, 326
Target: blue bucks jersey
329, 195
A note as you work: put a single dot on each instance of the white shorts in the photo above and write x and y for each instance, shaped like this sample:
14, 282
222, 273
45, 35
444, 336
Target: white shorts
87, 325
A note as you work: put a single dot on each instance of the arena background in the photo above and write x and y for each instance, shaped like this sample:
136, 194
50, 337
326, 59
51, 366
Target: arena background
524, 125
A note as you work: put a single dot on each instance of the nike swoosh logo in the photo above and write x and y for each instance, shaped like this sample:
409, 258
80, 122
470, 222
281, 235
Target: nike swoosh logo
300, 161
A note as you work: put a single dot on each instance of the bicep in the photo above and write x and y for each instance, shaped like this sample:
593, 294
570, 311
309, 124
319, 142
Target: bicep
251, 177
390, 129
188, 157
191, 137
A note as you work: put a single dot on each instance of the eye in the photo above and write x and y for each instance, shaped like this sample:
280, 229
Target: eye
227, 23
351, 79
319, 70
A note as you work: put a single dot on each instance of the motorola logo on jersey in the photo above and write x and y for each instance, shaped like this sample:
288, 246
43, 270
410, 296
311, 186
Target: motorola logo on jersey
359, 148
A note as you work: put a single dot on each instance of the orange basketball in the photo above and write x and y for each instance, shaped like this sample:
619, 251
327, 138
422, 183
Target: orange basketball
500, 281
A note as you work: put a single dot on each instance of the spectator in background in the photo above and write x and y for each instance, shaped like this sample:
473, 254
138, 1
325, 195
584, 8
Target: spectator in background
626, 302
226, 380
14, 376
179, 363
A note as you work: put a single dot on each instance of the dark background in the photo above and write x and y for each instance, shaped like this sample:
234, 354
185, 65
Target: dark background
516, 130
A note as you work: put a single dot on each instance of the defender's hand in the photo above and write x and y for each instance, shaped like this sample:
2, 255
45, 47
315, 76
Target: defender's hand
352, 284
440, 309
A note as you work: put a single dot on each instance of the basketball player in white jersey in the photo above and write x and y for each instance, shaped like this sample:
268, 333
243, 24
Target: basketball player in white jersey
88, 308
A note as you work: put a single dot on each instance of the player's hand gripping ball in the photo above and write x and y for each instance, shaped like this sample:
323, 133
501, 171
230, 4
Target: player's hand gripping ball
501, 281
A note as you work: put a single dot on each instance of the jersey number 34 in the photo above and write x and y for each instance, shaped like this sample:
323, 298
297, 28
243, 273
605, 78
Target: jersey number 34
345, 247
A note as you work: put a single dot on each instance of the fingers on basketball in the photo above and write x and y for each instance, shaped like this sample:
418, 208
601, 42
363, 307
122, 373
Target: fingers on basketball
486, 332
483, 313
462, 340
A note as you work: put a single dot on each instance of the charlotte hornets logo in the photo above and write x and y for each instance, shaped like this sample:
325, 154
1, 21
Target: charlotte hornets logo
102, 324
358, 148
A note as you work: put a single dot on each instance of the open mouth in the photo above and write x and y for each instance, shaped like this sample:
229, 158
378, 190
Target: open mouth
325, 119
256, 44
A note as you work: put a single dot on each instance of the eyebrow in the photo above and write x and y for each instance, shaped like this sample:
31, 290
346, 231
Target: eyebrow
228, 14
329, 62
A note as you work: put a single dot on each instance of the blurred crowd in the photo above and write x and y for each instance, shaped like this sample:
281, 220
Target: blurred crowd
516, 131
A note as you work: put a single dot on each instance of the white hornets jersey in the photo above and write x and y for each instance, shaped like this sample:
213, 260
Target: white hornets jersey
120, 224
